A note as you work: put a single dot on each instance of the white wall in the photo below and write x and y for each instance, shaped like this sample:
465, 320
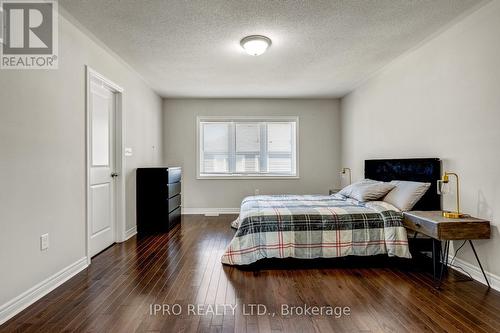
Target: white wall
440, 100
319, 147
42, 157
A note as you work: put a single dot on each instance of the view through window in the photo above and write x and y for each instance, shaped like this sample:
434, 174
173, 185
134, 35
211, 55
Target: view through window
247, 147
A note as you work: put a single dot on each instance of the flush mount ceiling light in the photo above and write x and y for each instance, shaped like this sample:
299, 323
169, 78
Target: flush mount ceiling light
255, 45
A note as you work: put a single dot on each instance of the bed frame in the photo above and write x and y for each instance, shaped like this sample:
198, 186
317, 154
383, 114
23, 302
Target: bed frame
412, 169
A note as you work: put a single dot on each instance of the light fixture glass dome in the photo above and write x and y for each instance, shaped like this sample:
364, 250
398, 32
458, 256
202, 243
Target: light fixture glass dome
255, 45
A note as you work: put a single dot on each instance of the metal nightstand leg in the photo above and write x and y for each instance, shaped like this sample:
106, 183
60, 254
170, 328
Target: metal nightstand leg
444, 262
479, 262
436, 258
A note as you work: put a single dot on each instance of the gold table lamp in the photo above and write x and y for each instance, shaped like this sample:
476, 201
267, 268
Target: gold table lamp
442, 183
344, 171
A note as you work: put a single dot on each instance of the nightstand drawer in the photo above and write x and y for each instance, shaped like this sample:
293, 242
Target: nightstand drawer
464, 230
420, 225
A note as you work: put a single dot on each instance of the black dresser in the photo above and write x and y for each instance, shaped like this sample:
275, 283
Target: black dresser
158, 199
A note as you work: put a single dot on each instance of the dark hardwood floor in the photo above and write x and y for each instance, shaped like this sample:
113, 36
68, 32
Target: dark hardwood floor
115, 293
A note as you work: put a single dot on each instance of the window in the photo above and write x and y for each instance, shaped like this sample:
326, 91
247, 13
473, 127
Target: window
247, 147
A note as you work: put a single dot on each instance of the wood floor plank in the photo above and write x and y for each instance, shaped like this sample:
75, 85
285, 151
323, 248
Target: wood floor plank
116, 292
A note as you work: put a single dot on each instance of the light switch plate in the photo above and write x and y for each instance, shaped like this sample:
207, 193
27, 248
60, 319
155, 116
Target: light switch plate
44, 242
128, 152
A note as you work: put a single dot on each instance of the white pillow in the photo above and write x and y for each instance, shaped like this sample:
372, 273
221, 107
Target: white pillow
366, 190
406, 194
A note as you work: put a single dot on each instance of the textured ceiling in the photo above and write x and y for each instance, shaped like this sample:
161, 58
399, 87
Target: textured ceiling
320, 48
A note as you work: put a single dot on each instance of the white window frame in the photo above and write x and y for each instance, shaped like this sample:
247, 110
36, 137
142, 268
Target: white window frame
200, 119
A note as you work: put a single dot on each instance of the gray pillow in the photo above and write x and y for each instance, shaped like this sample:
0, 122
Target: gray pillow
367, 190
406, 194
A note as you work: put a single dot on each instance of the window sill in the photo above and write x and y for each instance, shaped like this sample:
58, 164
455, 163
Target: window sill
247, 177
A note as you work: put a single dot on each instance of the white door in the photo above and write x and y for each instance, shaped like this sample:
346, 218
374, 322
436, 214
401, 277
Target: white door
102, 110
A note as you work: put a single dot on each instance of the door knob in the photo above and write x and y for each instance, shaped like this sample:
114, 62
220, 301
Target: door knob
114, 175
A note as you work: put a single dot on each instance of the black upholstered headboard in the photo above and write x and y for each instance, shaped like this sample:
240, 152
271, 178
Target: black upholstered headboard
412, 169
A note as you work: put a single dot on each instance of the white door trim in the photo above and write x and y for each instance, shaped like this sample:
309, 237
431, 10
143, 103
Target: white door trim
120, 225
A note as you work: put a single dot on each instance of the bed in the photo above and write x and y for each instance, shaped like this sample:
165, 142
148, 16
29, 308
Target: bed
319, 226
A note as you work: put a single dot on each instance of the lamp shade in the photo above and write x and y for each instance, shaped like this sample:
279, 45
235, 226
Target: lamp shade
443, 188
347, 174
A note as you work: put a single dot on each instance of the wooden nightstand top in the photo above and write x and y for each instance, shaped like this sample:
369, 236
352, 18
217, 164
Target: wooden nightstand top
433, 224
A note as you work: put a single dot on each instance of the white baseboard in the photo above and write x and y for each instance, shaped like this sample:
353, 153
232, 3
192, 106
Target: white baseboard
476, 273
210, 211
21, 302
130, 233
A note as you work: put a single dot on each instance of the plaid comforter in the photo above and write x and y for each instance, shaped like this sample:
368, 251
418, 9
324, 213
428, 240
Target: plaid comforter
314, 226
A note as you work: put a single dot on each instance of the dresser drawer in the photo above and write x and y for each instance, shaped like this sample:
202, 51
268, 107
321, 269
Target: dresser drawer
174, 175
174, 202
421, 225
174, 189
174, 217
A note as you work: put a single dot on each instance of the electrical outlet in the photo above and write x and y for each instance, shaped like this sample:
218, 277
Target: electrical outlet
257, 191
44, 242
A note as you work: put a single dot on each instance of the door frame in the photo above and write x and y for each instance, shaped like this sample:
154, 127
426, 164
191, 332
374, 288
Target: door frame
119, 190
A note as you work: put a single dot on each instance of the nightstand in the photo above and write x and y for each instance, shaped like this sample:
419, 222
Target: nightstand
442, 229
